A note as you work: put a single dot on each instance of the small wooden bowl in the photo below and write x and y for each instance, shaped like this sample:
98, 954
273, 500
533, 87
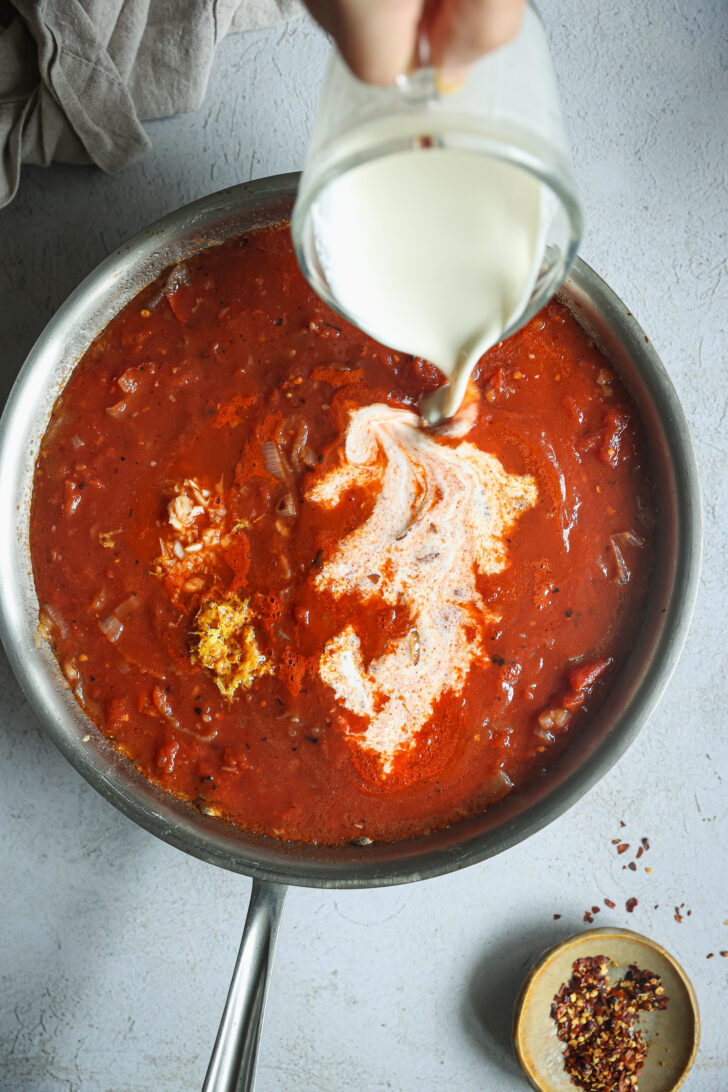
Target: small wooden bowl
673, 1034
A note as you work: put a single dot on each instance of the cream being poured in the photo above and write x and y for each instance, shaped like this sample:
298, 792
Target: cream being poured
434, 253
440, 517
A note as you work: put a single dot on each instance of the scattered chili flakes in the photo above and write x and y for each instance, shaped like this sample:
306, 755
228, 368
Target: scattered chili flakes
630, 905
556, 917
632, 866
622, 847
646, 843
610, 904
605, 1049
678, 916
710, 955
724, 954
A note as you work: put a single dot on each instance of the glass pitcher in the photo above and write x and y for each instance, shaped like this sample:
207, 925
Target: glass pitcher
506, 109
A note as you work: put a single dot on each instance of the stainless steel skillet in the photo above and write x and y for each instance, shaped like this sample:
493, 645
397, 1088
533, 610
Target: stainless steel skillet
272, 864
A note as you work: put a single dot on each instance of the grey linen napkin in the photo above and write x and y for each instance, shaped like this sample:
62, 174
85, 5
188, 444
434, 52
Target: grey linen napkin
77, 77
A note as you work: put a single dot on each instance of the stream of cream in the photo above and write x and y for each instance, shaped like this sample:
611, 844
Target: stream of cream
434, 253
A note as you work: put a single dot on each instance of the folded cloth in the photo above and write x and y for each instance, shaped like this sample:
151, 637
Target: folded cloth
77, 77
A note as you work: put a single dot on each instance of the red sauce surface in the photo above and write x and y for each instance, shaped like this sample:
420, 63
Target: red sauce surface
199, 371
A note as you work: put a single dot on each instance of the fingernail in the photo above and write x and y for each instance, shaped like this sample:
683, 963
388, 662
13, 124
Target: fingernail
448, 80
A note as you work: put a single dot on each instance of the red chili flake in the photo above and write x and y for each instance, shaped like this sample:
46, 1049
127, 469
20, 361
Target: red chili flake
689, 913
610, 904
556, 917
632, 866
596, 909
724, 954
598, 1023
640, 851
646, 843
630, 905
678, 915
710, 955
622, 823
616, 841
622, 847
588, 917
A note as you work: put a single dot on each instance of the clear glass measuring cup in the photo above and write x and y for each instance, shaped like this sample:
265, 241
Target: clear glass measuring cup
506, 110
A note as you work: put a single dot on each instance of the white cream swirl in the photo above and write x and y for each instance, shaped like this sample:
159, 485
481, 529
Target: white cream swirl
440, 516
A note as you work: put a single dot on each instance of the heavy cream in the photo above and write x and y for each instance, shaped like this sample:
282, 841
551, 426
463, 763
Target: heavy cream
434, 253
440, 516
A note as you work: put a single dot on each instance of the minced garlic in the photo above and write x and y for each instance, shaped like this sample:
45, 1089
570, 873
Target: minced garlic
227, 646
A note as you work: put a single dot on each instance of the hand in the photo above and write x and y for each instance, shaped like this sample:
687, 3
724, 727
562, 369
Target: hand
378, 38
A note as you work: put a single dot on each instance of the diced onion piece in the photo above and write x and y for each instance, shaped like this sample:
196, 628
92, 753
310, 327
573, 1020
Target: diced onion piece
70, 671
287, 506
179, 550
628, 538
605, 381
126, 606
118, 409
623, 571
178, 275
298, 445
201, 737
111, 627
308, 457
194, 584
273, 461
100, 601
617, 543
52, 623
162, 703
549, 719
129, 380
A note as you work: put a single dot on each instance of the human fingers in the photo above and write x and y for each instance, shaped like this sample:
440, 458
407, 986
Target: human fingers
461, 31
375, 37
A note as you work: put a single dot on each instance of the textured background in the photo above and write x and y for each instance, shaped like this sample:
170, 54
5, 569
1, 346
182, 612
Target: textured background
116, 950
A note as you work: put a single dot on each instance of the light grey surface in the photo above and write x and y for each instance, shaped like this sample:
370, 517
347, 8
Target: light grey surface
117, 950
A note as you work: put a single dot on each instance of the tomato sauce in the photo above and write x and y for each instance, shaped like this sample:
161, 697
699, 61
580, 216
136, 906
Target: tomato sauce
171, 508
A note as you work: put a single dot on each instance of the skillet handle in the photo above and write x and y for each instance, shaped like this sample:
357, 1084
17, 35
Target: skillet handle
232, 1065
